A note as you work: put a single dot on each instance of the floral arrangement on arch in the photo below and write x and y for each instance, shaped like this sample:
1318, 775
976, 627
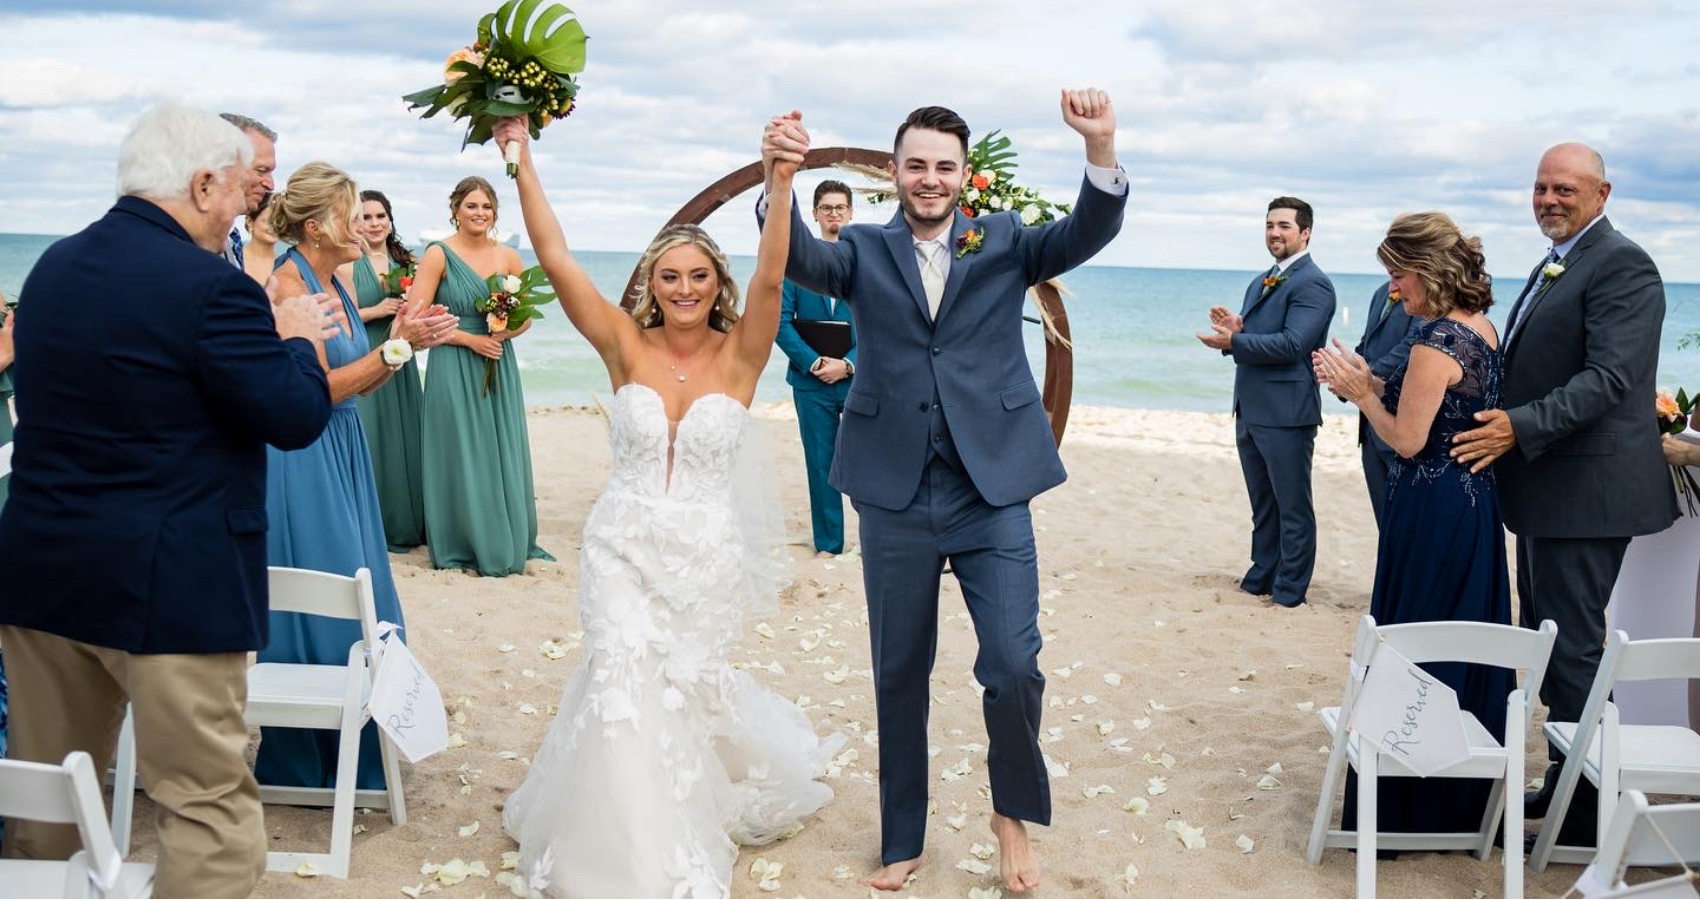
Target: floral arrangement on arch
1676, 413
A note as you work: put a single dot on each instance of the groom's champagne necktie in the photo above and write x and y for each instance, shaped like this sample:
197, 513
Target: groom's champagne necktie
932, 276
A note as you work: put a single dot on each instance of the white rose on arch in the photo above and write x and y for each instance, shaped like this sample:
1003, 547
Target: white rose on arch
1029, 214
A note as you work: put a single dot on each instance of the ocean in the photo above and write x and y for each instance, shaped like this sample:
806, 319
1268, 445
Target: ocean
1133, 331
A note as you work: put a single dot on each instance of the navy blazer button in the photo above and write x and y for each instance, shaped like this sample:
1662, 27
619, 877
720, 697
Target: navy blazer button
923, 406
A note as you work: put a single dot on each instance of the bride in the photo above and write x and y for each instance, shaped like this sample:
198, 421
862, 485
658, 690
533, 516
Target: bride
663, 759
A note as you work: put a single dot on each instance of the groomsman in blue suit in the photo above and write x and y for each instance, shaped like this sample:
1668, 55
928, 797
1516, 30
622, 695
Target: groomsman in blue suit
1277, 406
944, 442
1388, 332
819, 383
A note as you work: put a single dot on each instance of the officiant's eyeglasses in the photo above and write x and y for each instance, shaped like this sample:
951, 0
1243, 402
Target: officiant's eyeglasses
834, 210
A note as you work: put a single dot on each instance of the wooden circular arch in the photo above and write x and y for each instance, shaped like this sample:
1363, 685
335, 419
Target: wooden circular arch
1059, 352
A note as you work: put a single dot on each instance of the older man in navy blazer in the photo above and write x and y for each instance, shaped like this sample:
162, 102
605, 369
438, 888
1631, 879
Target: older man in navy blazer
943, 444
133, 544
1277, 406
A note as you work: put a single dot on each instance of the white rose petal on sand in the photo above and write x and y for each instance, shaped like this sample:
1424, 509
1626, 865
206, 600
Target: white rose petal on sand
973, 866
306, 870
1113, 679
1157, 785
1191, 837
982, 851
468, 830
1097, 790
1139, 806
1245, 844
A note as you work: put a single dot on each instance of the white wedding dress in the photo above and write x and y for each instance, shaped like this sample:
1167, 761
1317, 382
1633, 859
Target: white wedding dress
663, 759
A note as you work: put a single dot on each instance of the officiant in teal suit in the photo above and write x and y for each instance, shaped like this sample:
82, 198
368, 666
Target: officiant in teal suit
820, 374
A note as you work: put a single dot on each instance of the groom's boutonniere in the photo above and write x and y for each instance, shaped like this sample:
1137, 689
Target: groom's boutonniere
1273, 281
1552, 270
969, 242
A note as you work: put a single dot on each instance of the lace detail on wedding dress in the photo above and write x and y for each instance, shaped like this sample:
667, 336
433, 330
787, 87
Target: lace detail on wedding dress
663, 758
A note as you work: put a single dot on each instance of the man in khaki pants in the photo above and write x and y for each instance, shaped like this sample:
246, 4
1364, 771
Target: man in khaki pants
150, 375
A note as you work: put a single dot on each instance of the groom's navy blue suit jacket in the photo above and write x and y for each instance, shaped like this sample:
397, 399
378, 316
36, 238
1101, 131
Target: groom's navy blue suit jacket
973, 359
149, 380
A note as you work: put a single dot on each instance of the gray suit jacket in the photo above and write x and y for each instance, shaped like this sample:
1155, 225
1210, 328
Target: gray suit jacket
1386, 345
1579, 389
1274, 383
973, 358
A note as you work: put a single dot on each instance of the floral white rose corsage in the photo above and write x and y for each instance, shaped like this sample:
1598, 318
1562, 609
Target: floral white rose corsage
396, 352
1552, 270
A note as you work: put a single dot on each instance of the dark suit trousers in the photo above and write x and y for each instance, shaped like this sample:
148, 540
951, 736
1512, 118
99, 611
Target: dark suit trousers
1376, 463
991, 550
1276, 463
818, 410
1569, 581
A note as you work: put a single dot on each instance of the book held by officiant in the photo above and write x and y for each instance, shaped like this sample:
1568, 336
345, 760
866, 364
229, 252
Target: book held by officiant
826, 337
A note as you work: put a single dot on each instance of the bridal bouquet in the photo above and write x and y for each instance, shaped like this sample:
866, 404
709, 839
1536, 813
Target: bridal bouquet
522, 64
513, 301
1675, 414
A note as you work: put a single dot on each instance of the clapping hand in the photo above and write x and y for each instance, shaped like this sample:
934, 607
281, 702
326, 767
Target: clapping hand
306, 316
427, 328
1346, 373
1224, 324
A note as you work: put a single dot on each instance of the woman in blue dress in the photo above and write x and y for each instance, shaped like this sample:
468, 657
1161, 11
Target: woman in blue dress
1442, 552
322, 500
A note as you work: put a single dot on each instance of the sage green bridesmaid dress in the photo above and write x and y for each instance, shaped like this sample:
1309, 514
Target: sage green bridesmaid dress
391, 417
480, 511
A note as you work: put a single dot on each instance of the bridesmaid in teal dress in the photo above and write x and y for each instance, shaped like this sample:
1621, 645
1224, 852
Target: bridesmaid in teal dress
322, 500
480, 512
390, 413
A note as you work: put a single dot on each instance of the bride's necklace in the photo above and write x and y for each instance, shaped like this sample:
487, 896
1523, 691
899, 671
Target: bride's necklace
682, 370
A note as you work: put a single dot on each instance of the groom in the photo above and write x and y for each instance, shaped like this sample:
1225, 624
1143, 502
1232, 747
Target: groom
943, 444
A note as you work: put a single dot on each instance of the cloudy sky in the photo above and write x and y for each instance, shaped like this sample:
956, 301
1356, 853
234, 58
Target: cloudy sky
1366, 109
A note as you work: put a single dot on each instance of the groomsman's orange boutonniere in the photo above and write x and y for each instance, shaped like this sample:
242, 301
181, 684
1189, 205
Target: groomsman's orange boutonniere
1273, 281
969, 242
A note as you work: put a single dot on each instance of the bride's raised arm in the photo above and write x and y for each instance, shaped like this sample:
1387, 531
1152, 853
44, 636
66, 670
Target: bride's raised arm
755, 331
604, 324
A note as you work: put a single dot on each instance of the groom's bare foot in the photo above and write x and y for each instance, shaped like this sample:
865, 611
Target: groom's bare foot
894, 876
1015, 854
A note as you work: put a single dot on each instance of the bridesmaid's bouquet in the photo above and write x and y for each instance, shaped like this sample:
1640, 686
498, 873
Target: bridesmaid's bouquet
1675, 415
513, 301
522, 64
397, 280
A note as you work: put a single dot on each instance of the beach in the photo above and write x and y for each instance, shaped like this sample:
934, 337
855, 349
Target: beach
1157, 667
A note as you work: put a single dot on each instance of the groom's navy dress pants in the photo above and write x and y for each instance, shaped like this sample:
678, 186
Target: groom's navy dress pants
1276, 463
990, 549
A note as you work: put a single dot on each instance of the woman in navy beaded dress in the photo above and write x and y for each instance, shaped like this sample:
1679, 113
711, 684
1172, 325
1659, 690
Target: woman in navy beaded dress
1442, 552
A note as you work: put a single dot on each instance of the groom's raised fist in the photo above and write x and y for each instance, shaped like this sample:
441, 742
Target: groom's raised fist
1089, 112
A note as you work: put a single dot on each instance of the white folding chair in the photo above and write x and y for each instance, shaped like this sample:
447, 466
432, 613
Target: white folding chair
1644, 835
1654, 759
1424, 642
331, 698
66, 794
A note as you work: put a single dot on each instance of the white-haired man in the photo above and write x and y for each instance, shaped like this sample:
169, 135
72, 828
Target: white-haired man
134, 539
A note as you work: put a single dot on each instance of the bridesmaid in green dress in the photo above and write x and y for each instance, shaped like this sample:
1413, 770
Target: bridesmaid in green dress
480, 512
391, 413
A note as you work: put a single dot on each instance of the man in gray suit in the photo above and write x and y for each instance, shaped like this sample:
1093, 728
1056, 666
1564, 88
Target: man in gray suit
1277, 406
1580, 469
1388, 332
943, 444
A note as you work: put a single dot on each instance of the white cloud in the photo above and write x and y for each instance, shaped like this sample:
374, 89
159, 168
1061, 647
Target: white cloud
1363, 110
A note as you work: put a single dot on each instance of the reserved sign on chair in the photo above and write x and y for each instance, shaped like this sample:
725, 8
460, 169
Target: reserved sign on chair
1409, 715
405, 702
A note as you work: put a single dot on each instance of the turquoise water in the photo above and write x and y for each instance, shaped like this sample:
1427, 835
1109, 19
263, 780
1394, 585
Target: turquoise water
1133, 331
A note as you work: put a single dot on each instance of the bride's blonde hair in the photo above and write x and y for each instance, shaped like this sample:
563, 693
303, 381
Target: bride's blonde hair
647, 312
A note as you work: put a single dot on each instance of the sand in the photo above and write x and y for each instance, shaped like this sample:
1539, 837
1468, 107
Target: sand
1149, 646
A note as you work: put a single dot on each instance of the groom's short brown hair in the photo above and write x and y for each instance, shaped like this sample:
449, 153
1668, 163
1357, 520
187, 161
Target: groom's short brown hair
934, 118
